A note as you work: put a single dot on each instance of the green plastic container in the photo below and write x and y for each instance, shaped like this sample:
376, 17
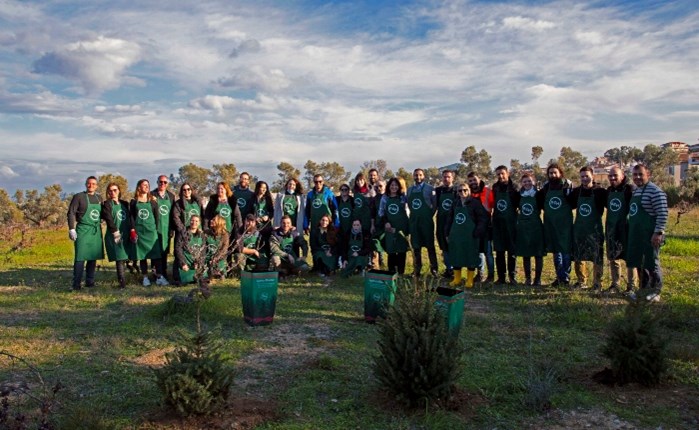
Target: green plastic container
379, 293
451, 303
259, 293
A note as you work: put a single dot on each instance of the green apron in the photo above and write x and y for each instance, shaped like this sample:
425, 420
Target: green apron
362, 211
530, 230
344, 209
395, 215
212, 245
290, 207
286, 244
354, 244
319, 207
243, 199
558, 223
190, 209
164, 208
504, 223
446, 200
88, 245
463, 247
226, 212
195, 244
616, 225
330, 261
587, 231
250, 241
118, 251
640, 252
148, 244
421, 222
261, 211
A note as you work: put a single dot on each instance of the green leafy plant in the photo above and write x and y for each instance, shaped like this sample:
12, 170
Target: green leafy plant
635, 347
418, 359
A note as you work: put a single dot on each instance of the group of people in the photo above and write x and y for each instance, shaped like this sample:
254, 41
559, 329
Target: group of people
241, 228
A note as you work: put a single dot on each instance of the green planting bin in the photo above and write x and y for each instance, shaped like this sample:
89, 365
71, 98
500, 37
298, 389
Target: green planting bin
259, 294
379, 293
451, 303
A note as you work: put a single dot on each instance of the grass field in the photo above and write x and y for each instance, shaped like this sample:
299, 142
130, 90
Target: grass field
311, 369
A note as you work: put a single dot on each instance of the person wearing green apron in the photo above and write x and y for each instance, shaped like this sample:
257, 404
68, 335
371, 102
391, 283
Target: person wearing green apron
244, 195
184, 209
378, 235
85, 231
166, 228
421, 201
223, 204
616, 228
324, 247
263, 208
217, 243
356, 250
115, 213
252, 251
345, 207
558, 221
466, 225
530, 232
505, 226
290, 202
145, 217
320, 201
588, 236
648, 215
190, 250
445, 197
393, 216
362, 195
288, 249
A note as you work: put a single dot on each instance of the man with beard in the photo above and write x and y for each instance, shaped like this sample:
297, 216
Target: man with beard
445, 197
422, 204
244, 195
285, 244
616, 227
86, 231
504, 225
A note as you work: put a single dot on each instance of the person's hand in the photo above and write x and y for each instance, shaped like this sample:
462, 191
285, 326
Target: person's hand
72, 234
355, 254
657, 240
344, 264
328, 253
185, 268
133, 236
306, 231
292, 260
117, 237
256, 253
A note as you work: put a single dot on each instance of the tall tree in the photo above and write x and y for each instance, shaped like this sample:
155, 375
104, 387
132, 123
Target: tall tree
333, 173
537, 151
476, 161
516, 170
406, 175
624, 156
433, 176
225, 172
571, 161
45, 209
8, 209
286, 172
539, 173
196, 176
380, 165
107, 179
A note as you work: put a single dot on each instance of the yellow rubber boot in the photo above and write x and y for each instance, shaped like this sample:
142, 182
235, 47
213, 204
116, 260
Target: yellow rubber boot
457, 279
470, 275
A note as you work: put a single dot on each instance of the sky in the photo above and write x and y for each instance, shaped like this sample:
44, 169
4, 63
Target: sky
142, 88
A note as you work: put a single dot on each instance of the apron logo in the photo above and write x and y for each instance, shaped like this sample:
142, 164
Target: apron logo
193, 212
502, 205
358, 202
355, 248
241, 202
377, 297
416, 204
585, 210
94, 215
264, 297
143, 214
317, 204
225, 212
121, 215
326, 247
288, 248
345, 212
163, 210
446, 204
288, 208
261, 212
460, 218
527, 209
633, 209
393, 209
555, 203
615, 205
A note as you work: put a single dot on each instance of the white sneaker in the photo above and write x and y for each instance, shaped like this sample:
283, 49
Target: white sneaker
146, 281
653, 297
161, 281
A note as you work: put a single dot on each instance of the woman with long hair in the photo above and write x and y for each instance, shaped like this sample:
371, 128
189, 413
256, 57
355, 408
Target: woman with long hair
363, 199
145, 219
263, 207
224, 204
187, 206
115, 212
324, 246
393, 215
290, 202
217, 241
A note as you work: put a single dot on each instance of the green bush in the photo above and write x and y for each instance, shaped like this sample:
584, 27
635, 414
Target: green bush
635, 347
419, 359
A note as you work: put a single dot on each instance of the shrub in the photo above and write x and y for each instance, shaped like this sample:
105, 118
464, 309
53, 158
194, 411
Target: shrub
419, 359
636, 349
539, 386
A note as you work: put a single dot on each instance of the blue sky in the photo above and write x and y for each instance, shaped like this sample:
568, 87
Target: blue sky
141, 88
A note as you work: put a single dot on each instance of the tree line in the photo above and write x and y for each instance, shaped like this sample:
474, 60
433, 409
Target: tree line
48, 208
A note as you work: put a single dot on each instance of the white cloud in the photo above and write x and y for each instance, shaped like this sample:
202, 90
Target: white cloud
7, 172
525, 23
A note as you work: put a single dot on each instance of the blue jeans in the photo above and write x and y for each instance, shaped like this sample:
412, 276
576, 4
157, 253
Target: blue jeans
562, 264
487, 259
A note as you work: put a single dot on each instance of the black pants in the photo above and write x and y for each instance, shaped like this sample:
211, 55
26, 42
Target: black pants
120, 270
160, 264
417, 259
501, 268
396, 261
79, 268
538, 267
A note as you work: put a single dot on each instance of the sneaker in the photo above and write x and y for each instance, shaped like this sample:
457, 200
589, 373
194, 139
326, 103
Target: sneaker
630, 294
653, 297
596, 287
613, 288
161, 281
580, 286
146, 281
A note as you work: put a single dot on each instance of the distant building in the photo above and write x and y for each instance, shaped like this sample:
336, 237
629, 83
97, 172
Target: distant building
693, 155
679, 171
600, 169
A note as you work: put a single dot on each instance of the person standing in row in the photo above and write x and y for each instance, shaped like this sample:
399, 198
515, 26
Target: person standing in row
85, 230
466, 225
363, 196
616, 227
393, 216
223, 204
165, 199
320, 201
145, 219
290, 202
479, 190
187, 206
377, 254
530, 231
345, 207
263, 208
190, 251
504, 226
647, 221
588, 237
422, 208
445, 197
115, 213
244, 195
558, 221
